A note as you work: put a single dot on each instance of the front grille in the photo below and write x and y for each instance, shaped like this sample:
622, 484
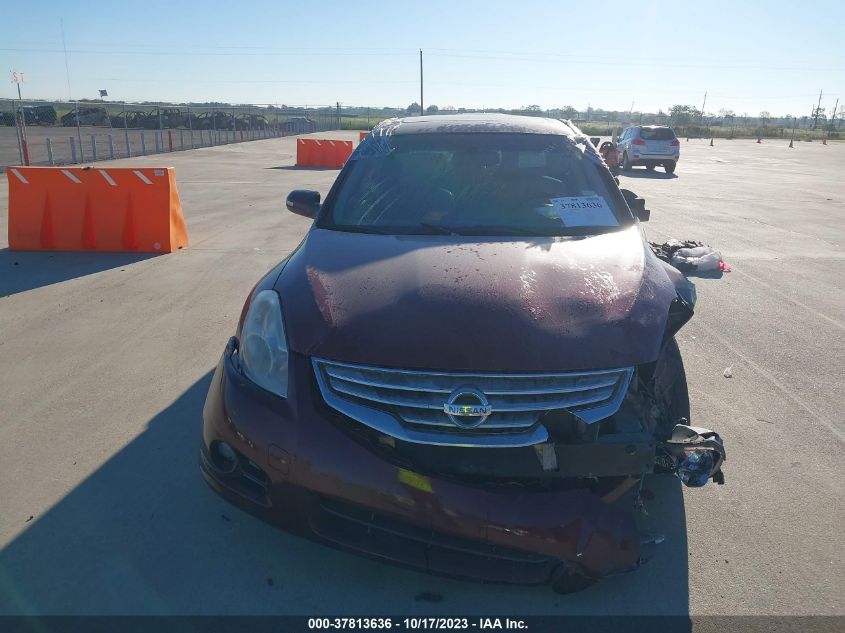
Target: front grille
414, 400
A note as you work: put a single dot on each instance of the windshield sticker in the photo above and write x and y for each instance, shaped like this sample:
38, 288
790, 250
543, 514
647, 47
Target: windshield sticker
584, 211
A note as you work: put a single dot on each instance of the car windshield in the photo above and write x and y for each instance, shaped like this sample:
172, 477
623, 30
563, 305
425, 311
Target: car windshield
657, 134
474, 184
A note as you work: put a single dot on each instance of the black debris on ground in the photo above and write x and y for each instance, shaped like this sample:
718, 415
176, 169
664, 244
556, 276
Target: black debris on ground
666, 250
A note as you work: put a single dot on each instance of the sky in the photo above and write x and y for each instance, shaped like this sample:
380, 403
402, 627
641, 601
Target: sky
645, 55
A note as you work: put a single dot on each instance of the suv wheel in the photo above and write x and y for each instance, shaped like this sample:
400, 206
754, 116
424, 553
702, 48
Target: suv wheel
669, 166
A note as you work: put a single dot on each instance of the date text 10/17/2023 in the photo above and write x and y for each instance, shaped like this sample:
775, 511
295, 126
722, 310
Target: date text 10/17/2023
418, 623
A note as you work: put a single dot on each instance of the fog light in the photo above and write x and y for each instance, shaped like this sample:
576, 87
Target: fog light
696, 468
224, 457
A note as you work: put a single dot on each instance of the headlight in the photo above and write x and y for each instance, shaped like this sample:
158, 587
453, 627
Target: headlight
264, 349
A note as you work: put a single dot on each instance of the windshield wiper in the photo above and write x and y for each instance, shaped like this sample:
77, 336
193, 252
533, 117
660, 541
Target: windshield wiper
372, 229
438, 228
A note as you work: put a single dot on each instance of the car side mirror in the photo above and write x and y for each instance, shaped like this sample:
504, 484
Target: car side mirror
637, 205
304, 202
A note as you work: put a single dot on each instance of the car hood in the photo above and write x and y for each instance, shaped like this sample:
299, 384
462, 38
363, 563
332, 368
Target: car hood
476, 303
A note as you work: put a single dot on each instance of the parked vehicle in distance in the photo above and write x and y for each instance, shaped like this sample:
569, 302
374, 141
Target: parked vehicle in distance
88, 115
649, 145
300, 125
163, 118
215, 120
468, 364
40, 115
129, 119
251, 122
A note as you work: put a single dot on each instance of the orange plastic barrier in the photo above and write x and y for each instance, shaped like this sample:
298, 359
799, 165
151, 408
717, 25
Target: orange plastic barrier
312, 152
362, 136
91, 209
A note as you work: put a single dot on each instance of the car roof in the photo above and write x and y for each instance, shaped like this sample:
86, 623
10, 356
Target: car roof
476, 122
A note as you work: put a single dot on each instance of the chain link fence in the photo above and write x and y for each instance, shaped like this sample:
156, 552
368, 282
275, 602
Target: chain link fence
66, 133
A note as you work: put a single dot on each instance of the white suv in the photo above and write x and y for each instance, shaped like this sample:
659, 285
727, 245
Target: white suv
649, 145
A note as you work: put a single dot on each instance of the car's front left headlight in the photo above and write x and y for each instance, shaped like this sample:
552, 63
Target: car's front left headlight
264, 348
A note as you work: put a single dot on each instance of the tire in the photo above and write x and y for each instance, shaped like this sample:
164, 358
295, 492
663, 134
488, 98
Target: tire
669, 166
626, 164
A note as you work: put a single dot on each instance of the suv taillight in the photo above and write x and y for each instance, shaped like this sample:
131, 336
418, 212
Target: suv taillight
675, 142
638, 141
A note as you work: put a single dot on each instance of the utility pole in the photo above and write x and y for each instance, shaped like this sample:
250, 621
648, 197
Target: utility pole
422, 107
702, 107
816, 113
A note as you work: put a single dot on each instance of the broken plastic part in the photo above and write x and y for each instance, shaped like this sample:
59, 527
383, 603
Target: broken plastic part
695, 455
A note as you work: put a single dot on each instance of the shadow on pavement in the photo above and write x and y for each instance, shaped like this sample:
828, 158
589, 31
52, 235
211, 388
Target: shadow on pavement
645, 173
144, 535
26, 270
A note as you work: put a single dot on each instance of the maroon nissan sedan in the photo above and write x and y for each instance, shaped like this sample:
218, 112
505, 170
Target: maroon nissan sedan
467, 366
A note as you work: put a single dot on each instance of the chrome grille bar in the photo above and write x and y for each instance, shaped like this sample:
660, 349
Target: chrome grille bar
409, 404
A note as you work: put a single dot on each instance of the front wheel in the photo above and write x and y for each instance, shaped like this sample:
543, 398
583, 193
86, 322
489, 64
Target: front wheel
669, 166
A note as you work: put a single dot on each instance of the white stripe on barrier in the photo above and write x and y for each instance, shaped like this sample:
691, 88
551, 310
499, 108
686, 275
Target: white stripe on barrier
142, 177
71, 176
108, 178
20, 176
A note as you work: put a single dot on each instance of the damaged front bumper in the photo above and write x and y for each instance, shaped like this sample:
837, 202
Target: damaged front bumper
312, 471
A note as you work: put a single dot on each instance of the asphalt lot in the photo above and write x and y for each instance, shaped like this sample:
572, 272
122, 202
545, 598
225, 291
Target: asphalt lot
105, 361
